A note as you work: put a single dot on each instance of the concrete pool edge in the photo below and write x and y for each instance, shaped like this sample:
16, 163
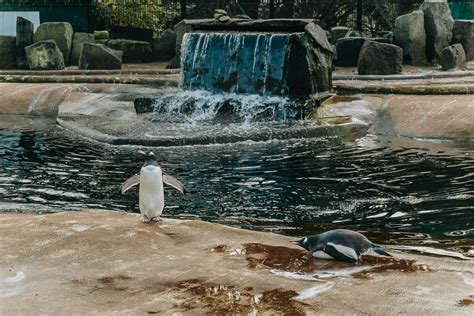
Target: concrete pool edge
107, 261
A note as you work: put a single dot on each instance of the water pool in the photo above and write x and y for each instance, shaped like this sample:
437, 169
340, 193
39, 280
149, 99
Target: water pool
392, 187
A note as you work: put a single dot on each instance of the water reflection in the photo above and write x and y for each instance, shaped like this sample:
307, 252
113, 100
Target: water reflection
291, 186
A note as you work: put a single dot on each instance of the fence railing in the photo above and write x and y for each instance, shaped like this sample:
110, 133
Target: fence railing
160, 14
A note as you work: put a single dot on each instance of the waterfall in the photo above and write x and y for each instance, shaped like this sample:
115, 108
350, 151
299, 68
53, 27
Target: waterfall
244, 63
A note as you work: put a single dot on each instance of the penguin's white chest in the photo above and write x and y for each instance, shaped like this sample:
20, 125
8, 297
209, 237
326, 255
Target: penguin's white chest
322, 255
151, 195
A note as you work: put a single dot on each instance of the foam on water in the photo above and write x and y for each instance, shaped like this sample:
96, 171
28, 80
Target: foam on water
199, 106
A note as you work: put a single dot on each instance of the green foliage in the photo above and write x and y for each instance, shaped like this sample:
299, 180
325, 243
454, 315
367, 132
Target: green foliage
138, 13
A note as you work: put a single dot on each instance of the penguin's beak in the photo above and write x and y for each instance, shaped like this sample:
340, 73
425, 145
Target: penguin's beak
296, 242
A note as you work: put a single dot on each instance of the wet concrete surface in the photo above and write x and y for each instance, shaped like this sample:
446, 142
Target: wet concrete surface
96, 262
428, 116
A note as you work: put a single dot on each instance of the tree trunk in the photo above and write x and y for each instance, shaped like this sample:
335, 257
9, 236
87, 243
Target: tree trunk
359, 15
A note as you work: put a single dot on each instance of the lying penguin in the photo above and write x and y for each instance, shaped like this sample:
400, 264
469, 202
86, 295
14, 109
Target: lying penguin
340, 244
151, 195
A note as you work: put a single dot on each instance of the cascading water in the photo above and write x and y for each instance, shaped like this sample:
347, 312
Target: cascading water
201, 107
269, 64
252, 63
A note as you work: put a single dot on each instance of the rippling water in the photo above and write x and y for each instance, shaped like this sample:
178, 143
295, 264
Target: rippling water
288, 186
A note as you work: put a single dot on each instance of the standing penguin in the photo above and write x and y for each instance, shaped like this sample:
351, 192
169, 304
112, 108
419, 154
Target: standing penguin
151, 194
340, 244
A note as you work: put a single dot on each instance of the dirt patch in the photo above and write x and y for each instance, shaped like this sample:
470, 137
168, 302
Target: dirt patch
227, 299
469, 301
117, 283
278, 257
384, 264
113, 279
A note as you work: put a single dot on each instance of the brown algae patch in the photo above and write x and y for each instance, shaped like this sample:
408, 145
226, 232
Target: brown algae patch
469, 301
278, 257
300, 261
226, 299
385, 264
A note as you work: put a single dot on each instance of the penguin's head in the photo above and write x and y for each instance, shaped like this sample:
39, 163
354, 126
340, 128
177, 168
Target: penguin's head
303, 243
150, 158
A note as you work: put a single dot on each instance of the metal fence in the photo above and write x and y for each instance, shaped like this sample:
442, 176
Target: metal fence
87, 15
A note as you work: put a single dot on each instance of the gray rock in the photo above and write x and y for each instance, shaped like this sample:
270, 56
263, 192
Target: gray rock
380, 59
409, 33
453, 57
101, 35
463, 33
77, 41
355, 33
438, 26
338, 32
60, 32
242, 25
181, 28
319, 57
133, 51
175, 62
384, 40
7, 52
24, 37
98, 56
348, 50
102, 41
319, 36
44, 55
164, 46
242, 17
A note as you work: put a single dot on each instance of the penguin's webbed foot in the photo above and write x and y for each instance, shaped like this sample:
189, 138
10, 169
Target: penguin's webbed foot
145, 219
156, 219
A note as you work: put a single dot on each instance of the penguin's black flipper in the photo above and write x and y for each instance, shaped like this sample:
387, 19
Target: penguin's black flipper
341, 253
381, 251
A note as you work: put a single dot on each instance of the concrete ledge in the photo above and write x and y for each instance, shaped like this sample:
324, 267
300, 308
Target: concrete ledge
103, 262
165, 80
356, 88
407, 76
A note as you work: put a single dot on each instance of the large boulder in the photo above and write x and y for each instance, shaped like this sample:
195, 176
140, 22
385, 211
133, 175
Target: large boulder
77, 41
181, 28
98, 56
338, 32
24, 37
7, 52
164, 47
44, 55
319, 54
380, 59
348, 50
133, 51
453, 58
175, 62
463, 33
59, 32
438, 26
101, 35
409, 34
